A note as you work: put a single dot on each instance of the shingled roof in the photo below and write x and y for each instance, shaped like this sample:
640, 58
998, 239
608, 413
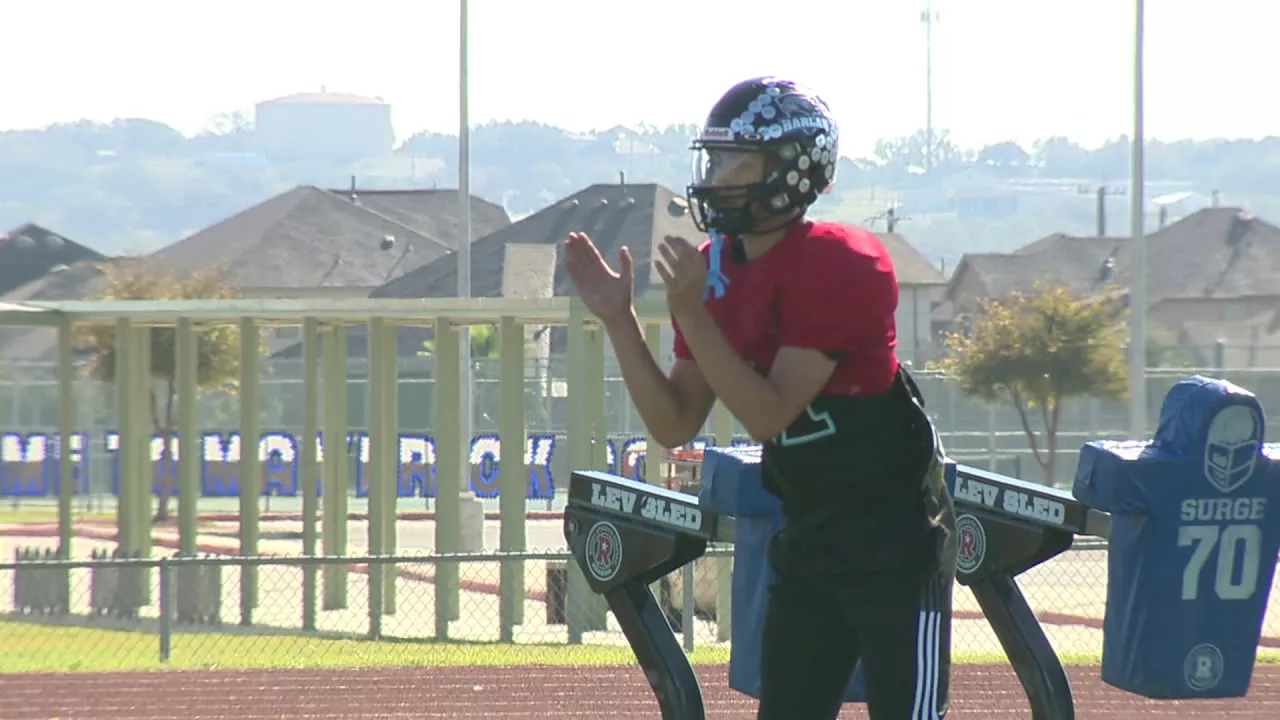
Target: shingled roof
910, 267
1055, 239
29, 251
432, 212
1213, 253
309, 238
1080, 264
1216, 252
614, 215
77, 281
74, 282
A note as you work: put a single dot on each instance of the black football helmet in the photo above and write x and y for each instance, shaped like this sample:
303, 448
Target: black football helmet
766, 151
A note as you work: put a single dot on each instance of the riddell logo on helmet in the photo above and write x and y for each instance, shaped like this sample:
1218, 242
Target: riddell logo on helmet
719, 134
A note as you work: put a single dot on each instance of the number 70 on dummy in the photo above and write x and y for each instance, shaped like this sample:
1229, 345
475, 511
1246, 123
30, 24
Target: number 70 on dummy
1231, 552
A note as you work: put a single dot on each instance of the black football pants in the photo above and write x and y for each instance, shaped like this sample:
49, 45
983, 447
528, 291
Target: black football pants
814, 637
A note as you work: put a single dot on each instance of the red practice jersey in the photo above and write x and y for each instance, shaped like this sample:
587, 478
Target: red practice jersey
823, 286
851, 466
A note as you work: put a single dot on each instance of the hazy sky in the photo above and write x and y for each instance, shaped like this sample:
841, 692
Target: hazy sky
1003, 69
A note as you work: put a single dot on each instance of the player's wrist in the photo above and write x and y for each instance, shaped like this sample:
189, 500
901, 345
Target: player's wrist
621, 320
693, 315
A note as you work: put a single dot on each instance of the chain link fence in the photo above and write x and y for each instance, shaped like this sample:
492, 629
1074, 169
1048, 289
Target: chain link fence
974, 432
29, 400
111, 612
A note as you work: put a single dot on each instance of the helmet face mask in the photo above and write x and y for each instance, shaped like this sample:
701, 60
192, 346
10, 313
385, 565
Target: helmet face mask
727, 183
767, 150
728, 165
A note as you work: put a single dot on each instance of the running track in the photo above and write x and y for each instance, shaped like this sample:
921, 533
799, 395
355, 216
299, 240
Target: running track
617, 693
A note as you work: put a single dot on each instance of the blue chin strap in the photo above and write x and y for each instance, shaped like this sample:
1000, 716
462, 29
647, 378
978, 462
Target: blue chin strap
717, 281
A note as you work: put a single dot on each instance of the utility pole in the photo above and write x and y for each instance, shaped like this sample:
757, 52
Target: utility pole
928, 17
1101, 192
889, 216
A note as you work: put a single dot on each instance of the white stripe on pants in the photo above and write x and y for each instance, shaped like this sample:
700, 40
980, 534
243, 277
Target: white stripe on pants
928, 640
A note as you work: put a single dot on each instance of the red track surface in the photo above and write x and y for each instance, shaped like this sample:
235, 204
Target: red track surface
619, 693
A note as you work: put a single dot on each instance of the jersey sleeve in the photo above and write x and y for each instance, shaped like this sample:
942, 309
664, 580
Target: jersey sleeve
840, 299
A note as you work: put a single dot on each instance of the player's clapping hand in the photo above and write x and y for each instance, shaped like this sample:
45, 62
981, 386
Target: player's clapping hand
606, 293
684, 272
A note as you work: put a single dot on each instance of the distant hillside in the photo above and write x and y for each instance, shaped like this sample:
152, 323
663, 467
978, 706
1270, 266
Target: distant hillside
134, 185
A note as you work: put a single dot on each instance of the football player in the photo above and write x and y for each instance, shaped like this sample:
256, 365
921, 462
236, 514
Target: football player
790, 323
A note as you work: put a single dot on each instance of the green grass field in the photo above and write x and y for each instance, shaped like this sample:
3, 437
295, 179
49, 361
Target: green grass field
49, 515
26, 647
34, 648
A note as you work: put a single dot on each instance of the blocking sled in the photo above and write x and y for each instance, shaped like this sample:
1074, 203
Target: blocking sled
1183, 614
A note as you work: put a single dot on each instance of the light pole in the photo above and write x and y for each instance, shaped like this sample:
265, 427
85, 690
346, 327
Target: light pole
928, 17
464, 236
1138, 279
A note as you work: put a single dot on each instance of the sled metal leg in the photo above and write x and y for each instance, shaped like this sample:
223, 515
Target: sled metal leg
1023, 639
665, 665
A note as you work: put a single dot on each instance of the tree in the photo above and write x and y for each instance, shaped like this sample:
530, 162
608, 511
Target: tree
1035, 351
1062, 157
112, 185
484, 343
1004, 154
218, 347
231, 123
911, 151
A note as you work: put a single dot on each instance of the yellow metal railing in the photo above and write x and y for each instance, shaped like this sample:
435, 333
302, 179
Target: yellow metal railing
325, 325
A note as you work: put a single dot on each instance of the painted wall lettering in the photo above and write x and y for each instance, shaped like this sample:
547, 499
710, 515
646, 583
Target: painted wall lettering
29, 463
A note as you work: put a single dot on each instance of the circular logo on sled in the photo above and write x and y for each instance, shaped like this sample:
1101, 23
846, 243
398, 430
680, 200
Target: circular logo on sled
971, 544
603, 551
1203, 667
